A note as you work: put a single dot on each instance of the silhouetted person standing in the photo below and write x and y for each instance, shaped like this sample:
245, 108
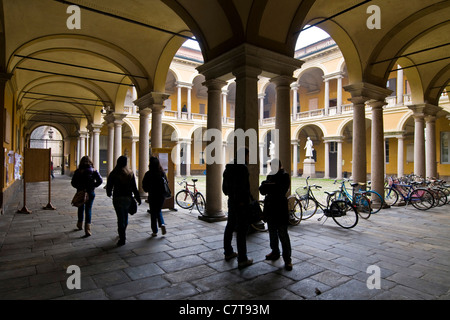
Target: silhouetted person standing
276, 211
236, 186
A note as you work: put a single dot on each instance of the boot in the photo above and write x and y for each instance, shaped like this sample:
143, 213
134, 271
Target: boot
87, 229
80, 225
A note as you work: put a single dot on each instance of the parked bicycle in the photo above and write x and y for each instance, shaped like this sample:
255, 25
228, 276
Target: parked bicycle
187, 198
357, 198
344, 213
420, 198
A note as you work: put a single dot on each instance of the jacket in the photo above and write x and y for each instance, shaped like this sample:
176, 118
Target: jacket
236, 185
86, 179
120, 184
274, 188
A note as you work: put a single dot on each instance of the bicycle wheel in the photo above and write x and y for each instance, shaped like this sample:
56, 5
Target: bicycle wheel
421, 199
200, 203
376, 200
309, 207
343, 214
442, 197
363, 206
184, 199
390, 196
295, 210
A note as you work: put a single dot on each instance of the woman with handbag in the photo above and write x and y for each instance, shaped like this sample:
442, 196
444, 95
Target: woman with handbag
121, 185
153, 184
276, 212
86, 178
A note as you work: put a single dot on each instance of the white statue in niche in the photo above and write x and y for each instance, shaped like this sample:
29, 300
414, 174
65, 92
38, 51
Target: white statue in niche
309, 148
271, 150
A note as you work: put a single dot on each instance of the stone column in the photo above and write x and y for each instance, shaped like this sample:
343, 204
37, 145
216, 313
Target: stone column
283, 120
224, 104
144, 104
214, 169
339, 160
82, 143
188, 157
339, 95
261, 107
294, 157
157, 108
118, 122
133, 154
246, 116
400, 156
189, 102
359, 161
176, 158
96, 145
419, 144
378, 143
399, 85
327, 160
430, 148
110, 156
294, 88
179, 101
327, 96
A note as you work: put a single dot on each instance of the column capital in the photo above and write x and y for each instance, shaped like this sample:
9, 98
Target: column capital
364, 91
334, 75
215, 84
333, 139
94, 127
150, 99
376, 104
181, 84
295, 85
425, 109
283, 80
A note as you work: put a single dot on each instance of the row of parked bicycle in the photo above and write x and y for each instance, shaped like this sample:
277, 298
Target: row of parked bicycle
345, 206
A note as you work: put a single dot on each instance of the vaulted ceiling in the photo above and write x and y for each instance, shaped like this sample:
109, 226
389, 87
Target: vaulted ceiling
124, 43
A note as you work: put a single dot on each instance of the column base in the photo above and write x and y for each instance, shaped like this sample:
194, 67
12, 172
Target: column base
216, 218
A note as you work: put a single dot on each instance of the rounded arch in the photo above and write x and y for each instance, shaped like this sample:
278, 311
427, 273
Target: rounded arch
62, 130
99, 48
346, 46
414, 79
403, 120
298, 129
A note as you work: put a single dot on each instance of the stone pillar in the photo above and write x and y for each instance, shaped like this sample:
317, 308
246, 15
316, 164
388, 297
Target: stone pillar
359, 161
294, 88
176, 158
82, 143
189, 102
157, 108
294, 157
378, 143
179, 101
96, 145
327, 160
339, 95
400, 156
327, 96
339, 160
261, 107
110, 156
188, 157
283, 120
246, 116
214, 169
133, 154
224, 104
399, 85
430, 148
118, 122
144, 104
419, 144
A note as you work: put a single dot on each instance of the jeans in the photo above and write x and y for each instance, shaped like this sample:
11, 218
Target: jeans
86, 209
156, 217
121, 206
236, 222
280, 232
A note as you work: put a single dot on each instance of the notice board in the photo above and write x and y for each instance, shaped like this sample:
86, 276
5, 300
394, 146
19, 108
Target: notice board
37, 165
165, 159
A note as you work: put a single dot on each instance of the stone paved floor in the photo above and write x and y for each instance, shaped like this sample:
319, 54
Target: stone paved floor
410, 248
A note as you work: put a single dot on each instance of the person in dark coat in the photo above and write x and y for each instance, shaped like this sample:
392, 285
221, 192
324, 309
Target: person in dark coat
153, 184
121, 185
86, 178
276, 211
236, 186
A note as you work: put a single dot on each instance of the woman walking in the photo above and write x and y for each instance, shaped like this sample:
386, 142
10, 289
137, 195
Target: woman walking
121, 184
153, 183
276, 212
86, 178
